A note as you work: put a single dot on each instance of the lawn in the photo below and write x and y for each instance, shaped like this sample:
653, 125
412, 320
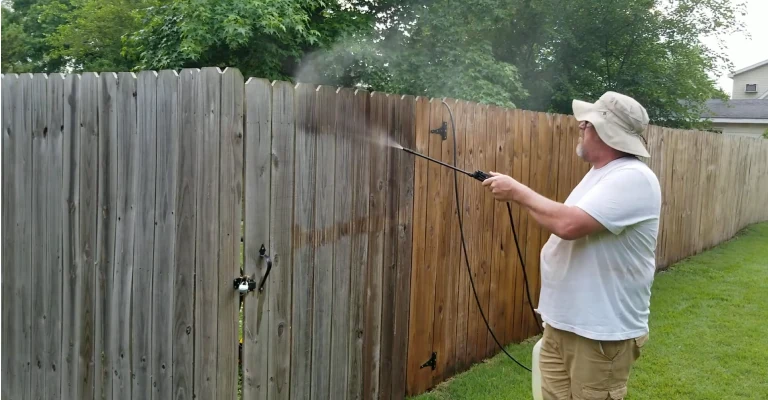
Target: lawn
709, 334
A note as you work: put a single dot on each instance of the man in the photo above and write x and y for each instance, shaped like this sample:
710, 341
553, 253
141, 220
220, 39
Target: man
598, 266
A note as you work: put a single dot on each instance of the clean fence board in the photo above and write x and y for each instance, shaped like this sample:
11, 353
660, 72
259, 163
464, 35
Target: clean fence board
38, 267
166, 180
500, 233
323, 237
258, 162
488, 161
230, 230
71, 257
391, 189
342, 216
303, 249
89, 153
206, 262
511, 265
281, 224
406, 123
377, 209
359, 243
422, 277
446, 280
54, 216
465, 298
523, 177
9, 91
127, 159
185, 245
141, 296
105, 236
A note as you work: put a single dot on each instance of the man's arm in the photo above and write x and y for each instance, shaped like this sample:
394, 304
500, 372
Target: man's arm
566, 222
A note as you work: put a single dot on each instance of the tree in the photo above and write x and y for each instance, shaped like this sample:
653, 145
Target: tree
261, 38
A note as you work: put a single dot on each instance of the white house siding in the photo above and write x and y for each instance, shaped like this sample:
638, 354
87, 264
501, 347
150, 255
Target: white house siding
750, 130
758, 75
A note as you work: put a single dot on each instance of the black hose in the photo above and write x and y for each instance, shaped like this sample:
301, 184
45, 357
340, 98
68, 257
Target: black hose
464, 246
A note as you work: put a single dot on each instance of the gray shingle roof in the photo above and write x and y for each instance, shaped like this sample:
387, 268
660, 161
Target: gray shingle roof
744, 108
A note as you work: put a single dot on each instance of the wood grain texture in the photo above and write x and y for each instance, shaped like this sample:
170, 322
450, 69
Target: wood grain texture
281, 224
360, 123
127, 170
406, 127
89, 153
303, 249
9, 91
376, 231
505, 161
420, 335
258, 171
39, 225
446, 246
22, 243
500, 232
105, 237
185, 244
166, 182
486, 163
465, 297
230, 230
323, 238
389, 260
143, 270
344, 171
206, 262
54, 216
71, 257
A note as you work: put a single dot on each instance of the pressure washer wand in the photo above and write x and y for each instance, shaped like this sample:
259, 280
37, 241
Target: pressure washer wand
479, 175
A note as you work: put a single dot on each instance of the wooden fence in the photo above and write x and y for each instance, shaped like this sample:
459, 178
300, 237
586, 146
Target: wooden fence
125, 197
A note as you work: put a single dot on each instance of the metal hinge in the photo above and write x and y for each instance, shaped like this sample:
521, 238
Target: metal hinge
442, 130
432, 362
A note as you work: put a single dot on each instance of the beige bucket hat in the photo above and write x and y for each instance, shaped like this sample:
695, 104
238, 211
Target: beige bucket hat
618, 119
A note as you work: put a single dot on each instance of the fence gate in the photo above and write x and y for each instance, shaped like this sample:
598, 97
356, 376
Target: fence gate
121, 209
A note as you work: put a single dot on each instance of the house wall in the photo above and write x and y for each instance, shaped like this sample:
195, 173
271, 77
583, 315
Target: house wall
749, 130
758, 76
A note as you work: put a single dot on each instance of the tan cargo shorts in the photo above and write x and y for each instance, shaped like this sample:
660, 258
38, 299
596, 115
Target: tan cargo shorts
574, 367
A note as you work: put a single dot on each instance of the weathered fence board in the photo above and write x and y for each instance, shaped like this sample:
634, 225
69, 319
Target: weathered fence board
125, 196
105, 314
40, 165
379, 125
186, 211
359, 242
128, 158
52, 278
322, 239
70, 260
230, 228
281, 223
208, 219
257, 332
346, 136
166, 181
303, 250
141, 322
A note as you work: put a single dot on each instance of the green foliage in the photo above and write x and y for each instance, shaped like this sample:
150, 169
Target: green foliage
262, 38
765, 134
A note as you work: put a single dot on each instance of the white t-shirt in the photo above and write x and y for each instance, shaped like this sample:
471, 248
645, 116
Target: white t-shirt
599, 286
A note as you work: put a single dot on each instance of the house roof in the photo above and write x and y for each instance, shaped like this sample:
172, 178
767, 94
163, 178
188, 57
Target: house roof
750, 68
737, 109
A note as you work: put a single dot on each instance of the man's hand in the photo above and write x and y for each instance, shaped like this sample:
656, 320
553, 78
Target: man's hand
503, 187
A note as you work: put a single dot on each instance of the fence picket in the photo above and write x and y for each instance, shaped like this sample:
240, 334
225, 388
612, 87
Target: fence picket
166, 181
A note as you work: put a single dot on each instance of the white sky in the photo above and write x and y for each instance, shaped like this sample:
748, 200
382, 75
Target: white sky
742, 51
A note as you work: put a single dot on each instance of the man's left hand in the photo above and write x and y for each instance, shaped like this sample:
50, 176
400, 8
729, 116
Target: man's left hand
503, 187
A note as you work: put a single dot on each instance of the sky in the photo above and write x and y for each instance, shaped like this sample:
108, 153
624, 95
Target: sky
742, 51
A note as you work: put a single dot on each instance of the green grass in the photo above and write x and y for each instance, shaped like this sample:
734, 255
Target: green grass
709, 334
